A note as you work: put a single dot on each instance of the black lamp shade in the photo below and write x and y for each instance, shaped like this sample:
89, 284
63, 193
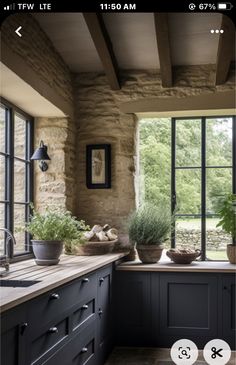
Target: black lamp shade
41, 153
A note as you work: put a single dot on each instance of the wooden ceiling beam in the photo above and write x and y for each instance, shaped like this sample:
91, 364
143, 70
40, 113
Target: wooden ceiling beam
104, 48
226, 47
163, 45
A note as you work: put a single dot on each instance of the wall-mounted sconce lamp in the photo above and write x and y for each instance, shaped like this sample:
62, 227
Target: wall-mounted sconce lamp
41, 155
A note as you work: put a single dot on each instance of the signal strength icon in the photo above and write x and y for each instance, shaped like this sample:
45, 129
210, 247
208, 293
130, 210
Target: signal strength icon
9, 7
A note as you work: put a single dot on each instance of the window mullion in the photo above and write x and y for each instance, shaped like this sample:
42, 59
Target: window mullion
234, 154
234, 158
203, 188
12, 168
173, 187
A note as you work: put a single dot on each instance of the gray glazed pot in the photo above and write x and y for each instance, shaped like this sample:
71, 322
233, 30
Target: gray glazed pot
47, 252
149, 254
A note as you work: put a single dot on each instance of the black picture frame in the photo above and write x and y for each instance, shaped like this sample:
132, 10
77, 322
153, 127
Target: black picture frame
98, 166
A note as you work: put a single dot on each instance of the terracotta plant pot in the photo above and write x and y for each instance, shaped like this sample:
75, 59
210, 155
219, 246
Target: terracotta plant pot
231, 253
47, 252
149, 254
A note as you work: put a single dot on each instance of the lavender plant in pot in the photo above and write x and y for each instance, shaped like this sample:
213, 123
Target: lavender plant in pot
227, 213
50, 230
149, 227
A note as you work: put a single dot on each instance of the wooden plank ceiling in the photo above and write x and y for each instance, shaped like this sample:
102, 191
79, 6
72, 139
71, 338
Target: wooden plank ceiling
91, 42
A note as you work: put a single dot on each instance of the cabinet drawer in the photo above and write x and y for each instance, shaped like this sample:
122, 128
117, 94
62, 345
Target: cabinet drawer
57, 302
79, 351
82, 314
86, 353
47, 339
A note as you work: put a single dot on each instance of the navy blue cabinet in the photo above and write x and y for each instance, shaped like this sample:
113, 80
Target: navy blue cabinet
13, 334
229, 309
68, 325
188, 308
132, 309
157, 309
104, 313
80, 350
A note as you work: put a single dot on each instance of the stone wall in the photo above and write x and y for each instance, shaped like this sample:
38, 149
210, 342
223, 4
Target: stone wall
99, 120
216, 239
47, 70
56, 186
38, 53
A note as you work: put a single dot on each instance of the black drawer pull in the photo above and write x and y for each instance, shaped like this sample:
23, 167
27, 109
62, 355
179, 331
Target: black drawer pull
100, 311
23, 327
101, 280
85, 280
84, 349
53, 330
54, 296
85, 306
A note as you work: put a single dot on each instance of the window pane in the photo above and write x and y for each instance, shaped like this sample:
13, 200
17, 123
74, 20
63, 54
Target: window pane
217, 240
219, 142
19, 221
19, 181
2, 225
188, 191
188, 232
218, 184
188, 142
2, 129
19, 137
155, 160
2, 177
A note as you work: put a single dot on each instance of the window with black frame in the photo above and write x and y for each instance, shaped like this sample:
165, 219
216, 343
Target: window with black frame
16, 175
190, 164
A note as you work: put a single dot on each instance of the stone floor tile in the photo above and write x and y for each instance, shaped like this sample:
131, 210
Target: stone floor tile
150, 356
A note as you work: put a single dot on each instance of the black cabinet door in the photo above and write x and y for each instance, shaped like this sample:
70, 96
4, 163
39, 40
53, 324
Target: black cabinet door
132, 313
104, 311
188, 308
229, 309
13, 331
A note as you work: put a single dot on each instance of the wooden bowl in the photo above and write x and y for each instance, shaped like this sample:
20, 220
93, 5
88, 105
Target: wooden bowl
91, 248
183, 257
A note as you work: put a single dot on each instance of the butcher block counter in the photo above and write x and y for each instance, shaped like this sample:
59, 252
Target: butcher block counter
49, 277
168, 266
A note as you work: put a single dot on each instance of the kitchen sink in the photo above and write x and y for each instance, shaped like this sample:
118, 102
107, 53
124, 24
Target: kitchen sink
17, 283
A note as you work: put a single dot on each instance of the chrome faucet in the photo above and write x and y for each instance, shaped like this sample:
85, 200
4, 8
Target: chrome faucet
10, 242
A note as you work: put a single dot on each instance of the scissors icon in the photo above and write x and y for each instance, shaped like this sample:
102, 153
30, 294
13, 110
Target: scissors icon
216, 352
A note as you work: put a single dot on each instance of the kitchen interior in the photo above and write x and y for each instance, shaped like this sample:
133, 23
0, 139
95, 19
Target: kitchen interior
76, 89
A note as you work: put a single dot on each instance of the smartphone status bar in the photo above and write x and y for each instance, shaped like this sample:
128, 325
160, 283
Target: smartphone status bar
120, 5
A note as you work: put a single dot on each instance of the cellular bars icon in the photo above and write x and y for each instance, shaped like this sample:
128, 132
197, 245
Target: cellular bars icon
9, 7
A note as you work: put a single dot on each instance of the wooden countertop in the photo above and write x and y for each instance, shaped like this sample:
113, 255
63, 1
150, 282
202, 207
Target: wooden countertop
69, 268
72, 267
168, 266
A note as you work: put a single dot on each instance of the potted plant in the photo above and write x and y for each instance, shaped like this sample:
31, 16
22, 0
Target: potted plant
49, 231
148, 227
227, 213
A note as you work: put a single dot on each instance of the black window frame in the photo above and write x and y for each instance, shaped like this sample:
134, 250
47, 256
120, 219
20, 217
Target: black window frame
203, 169
11, 110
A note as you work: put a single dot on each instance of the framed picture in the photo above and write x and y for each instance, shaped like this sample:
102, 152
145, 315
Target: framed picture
98, 166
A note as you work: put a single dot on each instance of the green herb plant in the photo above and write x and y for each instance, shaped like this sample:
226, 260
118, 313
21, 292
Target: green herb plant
149, 225
227, 213
55, 225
